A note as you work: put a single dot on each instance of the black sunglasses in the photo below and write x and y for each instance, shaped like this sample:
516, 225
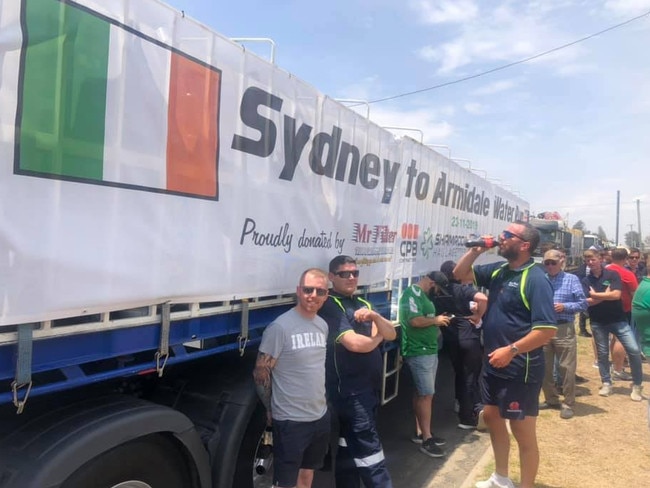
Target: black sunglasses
309, 290
509, 235
550, 262
346, 274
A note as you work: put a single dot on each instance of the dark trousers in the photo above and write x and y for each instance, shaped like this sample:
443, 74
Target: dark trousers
466, 356
360, 456
583, 322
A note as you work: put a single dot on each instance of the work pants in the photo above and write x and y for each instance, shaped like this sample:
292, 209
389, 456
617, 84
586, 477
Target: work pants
564, 347
360, 456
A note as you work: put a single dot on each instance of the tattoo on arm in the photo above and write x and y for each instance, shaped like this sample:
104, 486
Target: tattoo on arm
262, 376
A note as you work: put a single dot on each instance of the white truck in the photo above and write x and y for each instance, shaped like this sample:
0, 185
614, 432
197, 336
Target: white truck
161, 191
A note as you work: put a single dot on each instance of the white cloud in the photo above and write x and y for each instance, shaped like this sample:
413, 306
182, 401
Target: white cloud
446, 11
576, 69
497, 86
434, 128
506, 33
474, 108
362, 90
627, 7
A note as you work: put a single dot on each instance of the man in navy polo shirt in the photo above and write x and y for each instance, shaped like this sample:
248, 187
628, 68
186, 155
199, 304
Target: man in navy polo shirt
520, 319
354, 368
603, 287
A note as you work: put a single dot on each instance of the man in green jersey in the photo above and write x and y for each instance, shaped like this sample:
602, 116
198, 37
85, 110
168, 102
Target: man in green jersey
417, 316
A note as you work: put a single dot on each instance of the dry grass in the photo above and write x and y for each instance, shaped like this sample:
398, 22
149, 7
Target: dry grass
606, 443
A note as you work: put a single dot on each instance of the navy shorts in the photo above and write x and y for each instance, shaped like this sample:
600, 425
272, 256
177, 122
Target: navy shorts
515, 399
298, 445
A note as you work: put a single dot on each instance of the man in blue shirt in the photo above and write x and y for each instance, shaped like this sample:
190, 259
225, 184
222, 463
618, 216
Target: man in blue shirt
353, 369
569, 299
520, 319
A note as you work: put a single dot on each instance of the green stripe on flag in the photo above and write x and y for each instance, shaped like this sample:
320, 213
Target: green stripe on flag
63, 91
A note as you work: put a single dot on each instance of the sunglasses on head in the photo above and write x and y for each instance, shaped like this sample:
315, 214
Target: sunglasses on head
347, 274
509, 235
550, 262
309, 290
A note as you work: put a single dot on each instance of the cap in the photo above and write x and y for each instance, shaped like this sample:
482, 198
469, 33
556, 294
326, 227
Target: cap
447, 269
439, 278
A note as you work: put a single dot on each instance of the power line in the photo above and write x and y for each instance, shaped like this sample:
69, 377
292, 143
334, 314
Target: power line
509, 65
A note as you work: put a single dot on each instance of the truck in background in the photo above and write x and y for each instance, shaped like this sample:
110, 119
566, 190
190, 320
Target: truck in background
163, 189
590, 240
555, 233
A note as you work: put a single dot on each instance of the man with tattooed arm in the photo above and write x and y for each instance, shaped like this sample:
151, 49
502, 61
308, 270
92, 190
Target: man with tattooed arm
290, 379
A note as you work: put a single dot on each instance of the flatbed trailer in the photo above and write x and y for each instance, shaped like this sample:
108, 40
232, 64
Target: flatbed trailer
162, 190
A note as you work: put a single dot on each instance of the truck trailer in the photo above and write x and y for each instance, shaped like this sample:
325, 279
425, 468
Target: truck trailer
162, 190
556, 234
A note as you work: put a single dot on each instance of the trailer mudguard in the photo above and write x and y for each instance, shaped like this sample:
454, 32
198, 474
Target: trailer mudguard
45, 451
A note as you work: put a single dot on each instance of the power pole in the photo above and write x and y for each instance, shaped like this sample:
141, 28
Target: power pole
618, 212
638, 220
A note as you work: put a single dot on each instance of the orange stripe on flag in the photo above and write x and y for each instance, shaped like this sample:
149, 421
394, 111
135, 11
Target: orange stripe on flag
193, 128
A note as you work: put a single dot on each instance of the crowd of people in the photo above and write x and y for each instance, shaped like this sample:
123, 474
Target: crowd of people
320, 364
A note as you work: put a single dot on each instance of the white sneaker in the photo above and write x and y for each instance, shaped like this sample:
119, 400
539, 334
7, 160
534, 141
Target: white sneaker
493, 482
637, 393
605, 390
481, 426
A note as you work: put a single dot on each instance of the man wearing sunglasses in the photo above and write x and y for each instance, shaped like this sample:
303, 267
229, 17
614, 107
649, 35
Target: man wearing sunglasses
569, 299
636, 264
290, 379
519, 320
354, 371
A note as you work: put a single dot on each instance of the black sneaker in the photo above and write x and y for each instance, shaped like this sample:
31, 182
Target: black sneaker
430, 448
438, 441
417, 439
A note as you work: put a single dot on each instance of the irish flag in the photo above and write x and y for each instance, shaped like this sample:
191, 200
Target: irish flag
102, 103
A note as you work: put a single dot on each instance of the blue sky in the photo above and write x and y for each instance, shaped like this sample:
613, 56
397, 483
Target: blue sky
566, 130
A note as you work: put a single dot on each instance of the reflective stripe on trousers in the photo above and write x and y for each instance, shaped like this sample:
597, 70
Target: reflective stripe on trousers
360, 455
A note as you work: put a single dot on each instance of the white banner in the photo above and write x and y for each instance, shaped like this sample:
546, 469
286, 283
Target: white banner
148, 159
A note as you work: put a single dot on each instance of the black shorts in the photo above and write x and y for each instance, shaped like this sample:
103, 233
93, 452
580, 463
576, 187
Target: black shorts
515, 399
298, 445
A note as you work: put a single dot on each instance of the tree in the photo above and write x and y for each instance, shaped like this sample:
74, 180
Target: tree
632, 239
579, 225
601, 234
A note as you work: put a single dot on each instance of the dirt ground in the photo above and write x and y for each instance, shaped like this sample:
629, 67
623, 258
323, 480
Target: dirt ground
606, 443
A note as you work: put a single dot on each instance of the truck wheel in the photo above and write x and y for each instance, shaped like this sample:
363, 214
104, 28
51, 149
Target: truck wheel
150, 462
245, 474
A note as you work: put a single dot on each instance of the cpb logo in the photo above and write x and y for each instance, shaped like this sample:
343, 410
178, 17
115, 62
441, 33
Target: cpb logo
409, 246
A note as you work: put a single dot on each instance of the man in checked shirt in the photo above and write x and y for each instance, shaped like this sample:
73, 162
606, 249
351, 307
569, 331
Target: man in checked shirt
568, 299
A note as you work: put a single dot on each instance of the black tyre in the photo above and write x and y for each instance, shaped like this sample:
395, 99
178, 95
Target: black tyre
149, 462
245, 475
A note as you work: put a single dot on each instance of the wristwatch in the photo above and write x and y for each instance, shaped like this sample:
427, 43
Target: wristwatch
514, 349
